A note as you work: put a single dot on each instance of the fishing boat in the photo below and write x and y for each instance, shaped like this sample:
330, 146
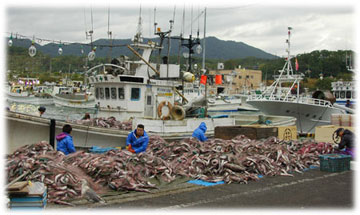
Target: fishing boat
344, 91
138, 90
223, 102
23, 94
279, 99
145, 94
81, 100
74, 97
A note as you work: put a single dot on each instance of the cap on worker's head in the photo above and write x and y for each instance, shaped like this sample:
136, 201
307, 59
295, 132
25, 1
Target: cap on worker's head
42, 109
338, 131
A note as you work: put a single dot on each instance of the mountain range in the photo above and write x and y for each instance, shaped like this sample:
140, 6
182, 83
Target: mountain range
215, 48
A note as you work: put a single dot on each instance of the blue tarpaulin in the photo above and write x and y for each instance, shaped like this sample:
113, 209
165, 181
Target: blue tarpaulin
205, 183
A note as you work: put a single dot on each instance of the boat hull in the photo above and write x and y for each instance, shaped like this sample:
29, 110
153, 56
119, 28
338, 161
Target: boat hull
73, 102
31, 100
308, 115
34, 129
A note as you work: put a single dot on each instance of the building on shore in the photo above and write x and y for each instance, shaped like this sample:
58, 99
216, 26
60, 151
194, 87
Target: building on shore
242, 80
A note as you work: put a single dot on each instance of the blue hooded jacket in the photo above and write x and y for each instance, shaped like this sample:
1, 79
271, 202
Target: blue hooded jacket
199, 133
65, 143
138, 144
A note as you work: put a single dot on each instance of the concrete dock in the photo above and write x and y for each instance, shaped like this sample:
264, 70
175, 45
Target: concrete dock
313, 189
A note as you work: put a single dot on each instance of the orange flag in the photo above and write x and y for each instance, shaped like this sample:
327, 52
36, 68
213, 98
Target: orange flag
218, 79
203, 79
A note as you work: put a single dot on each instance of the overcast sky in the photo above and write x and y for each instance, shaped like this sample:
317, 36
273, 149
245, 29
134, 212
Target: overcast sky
325, 25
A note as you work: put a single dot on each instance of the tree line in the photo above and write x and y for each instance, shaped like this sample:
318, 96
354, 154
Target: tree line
331, 65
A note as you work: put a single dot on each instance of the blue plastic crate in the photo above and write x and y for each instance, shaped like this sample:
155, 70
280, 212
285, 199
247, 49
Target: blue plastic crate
334, 162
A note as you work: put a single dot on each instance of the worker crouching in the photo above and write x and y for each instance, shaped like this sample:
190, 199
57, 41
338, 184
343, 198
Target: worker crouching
137, 140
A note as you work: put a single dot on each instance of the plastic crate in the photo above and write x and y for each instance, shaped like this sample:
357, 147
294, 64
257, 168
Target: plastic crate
334, 162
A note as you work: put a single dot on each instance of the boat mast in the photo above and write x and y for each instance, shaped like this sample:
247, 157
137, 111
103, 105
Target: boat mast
289, 68
203, 58
109, 35
203, 64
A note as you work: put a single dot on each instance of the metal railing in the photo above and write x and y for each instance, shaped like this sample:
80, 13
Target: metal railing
294, 99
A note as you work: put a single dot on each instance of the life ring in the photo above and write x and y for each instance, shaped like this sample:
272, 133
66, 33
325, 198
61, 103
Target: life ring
159, 110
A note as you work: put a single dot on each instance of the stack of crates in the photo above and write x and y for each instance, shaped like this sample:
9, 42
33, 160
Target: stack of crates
27, 198
334, 162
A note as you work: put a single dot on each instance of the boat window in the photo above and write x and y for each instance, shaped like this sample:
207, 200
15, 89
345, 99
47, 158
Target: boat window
342, 94
107, 93
135, 94
105, 78
96, 79
121, 93
101, 93
148, 100
113, 93
353, 94
240, 77
97, 93
348, 94
337, 94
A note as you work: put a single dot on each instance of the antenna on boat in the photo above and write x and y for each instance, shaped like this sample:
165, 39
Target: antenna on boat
181, 33
109, 33
288, 59
90, 33
138, 36
162, 35
203, 58
155, 24
169, 40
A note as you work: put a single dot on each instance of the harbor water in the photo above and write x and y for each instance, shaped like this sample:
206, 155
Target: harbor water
67, 113
52, 111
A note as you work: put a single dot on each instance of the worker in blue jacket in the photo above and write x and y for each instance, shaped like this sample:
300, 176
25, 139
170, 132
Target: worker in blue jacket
64, 141
137, 141
199, 133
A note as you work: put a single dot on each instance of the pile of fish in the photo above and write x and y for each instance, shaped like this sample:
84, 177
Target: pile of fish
234, 161
110, 122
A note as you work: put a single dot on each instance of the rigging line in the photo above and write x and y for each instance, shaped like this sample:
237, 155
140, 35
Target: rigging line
85, 24
198, 30
109, 34
195, 19
183, 22
150, 23
155, 20
319, 118
92, 22
191, 19
66, 43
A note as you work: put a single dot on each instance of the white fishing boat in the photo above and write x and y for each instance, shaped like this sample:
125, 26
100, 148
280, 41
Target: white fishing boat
344, 91
74, 100
223, 102
69, 97
287, 101
269, 120
144, 95
19, 93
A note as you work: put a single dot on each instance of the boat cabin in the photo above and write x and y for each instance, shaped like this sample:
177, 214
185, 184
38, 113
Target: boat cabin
343, 91
123, 96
